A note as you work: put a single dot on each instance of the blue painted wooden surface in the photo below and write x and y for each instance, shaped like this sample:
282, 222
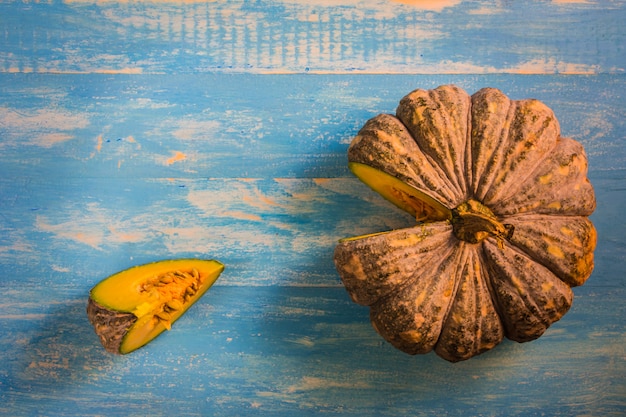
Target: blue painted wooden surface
136, 131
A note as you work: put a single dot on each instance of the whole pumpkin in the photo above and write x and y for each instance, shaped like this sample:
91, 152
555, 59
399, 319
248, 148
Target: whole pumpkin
501, 202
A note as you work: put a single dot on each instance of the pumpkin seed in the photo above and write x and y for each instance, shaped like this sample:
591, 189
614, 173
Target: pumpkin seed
184, 283
174, 304
163, 315
166, 279
167, 324
181, 274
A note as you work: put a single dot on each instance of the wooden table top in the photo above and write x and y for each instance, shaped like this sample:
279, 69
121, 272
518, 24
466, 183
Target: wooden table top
133, 131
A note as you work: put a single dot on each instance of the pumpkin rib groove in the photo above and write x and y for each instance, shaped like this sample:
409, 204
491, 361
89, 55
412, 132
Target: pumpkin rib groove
448, 191
360, 258
525, 177
472, 325
523, 317
447, 248
563, 244
432, 132
458, 157
567, 190
462, 255
418, 309
532, 134
488, 282
528, 302
502, 150
461, 250
452, 197
488, 136
452, 194
469, 156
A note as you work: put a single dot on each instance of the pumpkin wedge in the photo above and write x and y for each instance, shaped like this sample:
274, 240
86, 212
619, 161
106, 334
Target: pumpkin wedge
501, 202
132, 307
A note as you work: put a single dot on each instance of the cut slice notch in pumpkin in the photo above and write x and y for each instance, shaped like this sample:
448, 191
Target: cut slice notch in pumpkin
132, 307
418, 204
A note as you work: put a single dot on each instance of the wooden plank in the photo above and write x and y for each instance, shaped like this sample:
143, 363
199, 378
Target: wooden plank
431, 37
284, 350
112, 183
268, 232
247, 125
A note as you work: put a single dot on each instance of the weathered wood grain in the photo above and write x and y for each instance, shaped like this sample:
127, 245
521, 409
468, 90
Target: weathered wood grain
248, 125
280, 350
404, 36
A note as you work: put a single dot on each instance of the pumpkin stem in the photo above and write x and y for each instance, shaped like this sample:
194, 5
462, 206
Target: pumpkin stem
473, 222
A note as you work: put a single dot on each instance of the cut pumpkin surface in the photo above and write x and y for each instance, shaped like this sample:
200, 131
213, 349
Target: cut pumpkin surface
417, 203
501, 202
132, 307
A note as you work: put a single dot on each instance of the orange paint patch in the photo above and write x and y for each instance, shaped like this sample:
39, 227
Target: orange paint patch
99, 141
320, 181
87, 70
93, 241
259, 200
242, 216
178, 156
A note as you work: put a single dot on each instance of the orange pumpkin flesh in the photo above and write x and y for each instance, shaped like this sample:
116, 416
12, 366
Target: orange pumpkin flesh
132, 307
501, 202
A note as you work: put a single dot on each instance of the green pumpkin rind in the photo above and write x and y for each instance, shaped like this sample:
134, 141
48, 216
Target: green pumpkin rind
558, 185
461, 338
509, 139
438, 121
564, 245
427, 288
529, 297
111, 326
377, 259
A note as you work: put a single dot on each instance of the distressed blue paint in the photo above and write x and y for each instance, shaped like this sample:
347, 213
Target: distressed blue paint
201, 156
379, 36
285, 350
258, 126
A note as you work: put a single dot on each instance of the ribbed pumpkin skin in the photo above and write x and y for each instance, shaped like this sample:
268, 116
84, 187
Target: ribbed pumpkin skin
430, 288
